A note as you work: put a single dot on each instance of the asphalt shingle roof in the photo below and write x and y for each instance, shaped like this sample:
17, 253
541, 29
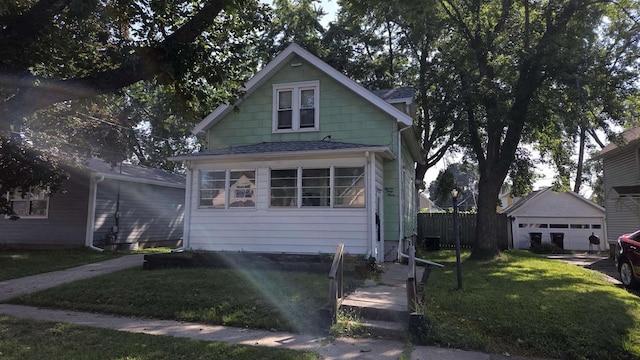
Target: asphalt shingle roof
136, 172
390, 94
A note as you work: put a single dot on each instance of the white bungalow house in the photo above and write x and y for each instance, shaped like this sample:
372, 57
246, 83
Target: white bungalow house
305, 160
564, 218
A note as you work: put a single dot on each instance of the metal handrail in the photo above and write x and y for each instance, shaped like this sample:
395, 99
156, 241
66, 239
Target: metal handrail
336, 288
412, 283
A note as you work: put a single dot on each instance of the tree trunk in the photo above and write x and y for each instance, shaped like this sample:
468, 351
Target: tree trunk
486, 244
578, 183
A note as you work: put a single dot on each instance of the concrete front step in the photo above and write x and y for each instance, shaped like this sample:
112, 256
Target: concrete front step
375, 314
389, 330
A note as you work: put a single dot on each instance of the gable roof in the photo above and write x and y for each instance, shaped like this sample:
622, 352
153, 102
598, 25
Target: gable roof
280, 148
513, 209
394, 96
629, 137
278, 63
135, 173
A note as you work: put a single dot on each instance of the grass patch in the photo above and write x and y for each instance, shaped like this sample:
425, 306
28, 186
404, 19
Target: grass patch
15, 264
525, 304
26, 339
263, 299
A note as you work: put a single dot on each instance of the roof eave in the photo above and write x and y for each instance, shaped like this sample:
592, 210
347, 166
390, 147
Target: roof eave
385, 151
137, 180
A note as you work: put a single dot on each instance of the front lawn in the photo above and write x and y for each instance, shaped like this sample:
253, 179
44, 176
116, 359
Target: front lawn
524, 304
26, 339
263, 299
20, 263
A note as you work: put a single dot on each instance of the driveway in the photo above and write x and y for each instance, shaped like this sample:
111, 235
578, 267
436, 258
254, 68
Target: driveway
597, 262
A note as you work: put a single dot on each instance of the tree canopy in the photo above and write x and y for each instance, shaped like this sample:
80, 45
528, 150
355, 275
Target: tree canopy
118, 79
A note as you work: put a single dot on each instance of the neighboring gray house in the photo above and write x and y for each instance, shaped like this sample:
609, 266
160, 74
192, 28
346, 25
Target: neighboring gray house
125, 207
621, 165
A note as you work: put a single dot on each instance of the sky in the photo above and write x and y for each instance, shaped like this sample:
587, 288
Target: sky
330, 7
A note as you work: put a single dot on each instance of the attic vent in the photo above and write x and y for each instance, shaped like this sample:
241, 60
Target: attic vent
296, 64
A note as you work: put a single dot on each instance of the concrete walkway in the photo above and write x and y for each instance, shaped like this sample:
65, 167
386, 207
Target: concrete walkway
340, 348
16, 287
388, 294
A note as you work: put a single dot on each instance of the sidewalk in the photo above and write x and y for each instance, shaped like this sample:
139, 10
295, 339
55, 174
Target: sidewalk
340, 348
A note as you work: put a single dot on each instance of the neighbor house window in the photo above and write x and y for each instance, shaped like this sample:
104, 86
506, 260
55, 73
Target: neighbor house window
227, 189
338, 187
33, 204
296, 106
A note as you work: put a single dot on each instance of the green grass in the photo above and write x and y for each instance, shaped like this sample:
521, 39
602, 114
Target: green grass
284, 301
525, 304
15, 264
25, 339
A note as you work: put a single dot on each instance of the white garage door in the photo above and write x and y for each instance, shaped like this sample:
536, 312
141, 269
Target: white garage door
575, 231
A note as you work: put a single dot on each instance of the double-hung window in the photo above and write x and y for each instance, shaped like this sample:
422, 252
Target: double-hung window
33, 204
224, 189
296, 106
330, 187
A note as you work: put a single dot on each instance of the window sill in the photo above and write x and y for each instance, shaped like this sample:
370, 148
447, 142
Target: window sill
289, 131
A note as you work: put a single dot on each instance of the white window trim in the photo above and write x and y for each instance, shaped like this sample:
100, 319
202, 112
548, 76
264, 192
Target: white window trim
27, 217
227, 190
295, 89
299, 194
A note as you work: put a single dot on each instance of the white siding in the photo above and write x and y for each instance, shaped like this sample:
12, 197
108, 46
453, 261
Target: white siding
265, 229
559, 209
623, 215
574, 239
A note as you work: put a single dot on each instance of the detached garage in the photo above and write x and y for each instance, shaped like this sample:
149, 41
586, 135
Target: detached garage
566, 219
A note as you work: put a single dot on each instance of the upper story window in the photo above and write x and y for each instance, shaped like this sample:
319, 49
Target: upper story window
296, 106
33, 204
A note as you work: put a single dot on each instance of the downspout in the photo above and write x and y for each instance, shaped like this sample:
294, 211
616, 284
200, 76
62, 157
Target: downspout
371, 206
91, 216
400, 196
186, 225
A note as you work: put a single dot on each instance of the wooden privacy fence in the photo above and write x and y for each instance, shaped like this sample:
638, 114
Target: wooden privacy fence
440, 225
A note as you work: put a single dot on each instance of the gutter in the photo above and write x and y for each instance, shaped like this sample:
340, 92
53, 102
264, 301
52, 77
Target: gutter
400, 196
91, 215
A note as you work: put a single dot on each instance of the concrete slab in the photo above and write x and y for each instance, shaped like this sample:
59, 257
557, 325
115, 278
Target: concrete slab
389, 293
382, 297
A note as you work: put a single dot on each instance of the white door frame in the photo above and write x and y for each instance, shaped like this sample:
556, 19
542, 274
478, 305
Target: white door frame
379, 226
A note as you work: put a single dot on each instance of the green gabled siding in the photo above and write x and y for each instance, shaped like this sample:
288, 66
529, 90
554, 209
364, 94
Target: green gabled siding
343, 114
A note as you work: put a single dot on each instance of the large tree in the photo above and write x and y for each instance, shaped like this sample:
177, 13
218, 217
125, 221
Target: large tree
513, 58
120, 79
61, 50
406, 37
